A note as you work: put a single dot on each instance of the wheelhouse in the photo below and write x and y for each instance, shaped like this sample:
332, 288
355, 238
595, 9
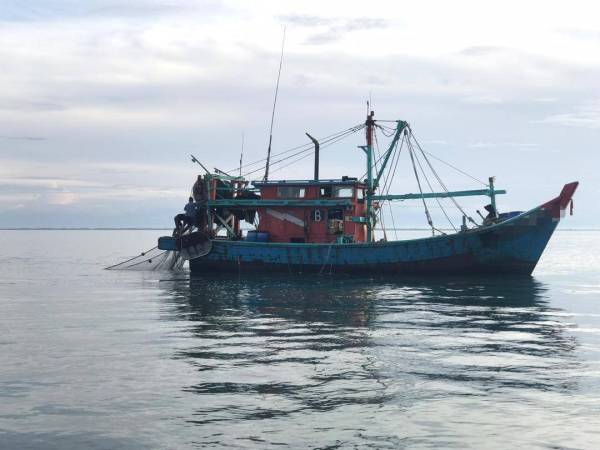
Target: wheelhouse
313, 211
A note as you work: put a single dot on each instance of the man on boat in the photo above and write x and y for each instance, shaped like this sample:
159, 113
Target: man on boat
187, 220
491, 216
200, 194
199, 189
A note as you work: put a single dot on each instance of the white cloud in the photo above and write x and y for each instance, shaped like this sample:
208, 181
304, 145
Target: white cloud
518, 145
587, 116
103, 101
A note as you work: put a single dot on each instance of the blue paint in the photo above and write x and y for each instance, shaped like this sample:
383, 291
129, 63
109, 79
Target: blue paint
167, 243
512, 246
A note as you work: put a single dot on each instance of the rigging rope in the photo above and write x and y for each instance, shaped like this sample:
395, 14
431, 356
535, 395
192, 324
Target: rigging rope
307, 146
447, 163
442, 184
380, 212
326, 142
429, 221
390, 176
431, 189
390, 184
325, 145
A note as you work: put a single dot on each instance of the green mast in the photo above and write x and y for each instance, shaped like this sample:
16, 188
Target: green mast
373, 179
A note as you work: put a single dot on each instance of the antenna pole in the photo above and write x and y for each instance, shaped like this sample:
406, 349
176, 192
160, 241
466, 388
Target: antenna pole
242, 154
194, 159
266, 177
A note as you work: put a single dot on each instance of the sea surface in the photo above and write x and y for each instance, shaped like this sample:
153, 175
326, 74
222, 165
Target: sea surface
97, 359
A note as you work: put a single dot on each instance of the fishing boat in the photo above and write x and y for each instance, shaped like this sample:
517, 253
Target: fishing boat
328, 226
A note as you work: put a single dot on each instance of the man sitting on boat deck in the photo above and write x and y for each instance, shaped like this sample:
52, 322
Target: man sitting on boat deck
491, 216
187, 220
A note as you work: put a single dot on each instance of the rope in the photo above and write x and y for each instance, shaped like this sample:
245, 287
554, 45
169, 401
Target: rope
429, 221
389, 177
447, 163
327, 144
442, 184
307, 146
150, 259
431, 189
380, 212
130, 259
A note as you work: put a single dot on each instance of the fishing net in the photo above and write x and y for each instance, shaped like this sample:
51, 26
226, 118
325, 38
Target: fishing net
153, 259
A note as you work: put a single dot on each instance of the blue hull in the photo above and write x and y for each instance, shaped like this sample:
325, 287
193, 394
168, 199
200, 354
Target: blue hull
513, 246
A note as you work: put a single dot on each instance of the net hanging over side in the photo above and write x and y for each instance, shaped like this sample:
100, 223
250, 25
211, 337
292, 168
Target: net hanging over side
153, 259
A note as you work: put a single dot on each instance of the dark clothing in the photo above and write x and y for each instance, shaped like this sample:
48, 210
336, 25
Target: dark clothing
492, 215
182, 220
191, 209
199, 190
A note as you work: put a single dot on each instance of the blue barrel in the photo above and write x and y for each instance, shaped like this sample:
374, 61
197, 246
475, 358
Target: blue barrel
257, 236
168, 243
262, 237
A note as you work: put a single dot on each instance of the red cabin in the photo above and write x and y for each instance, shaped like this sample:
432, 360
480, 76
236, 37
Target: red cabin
319, 211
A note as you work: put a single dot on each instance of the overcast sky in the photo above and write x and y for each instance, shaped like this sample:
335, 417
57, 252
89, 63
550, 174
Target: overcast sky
101, 102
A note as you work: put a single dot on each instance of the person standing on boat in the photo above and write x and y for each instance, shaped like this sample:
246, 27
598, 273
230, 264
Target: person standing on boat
200, 194
198, 190
187, 220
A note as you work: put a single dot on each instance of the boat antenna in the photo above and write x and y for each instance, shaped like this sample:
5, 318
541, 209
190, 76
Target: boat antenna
266, 177
242, 154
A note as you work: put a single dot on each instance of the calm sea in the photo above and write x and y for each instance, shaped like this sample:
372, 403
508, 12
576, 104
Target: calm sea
140, 360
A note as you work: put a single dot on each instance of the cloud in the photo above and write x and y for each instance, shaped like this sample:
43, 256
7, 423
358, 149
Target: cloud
61, 198
435, 142
586, 34
588, 116
47, 183
103, 101
523, 146
483, 50
23, 138
59, 10
334, 28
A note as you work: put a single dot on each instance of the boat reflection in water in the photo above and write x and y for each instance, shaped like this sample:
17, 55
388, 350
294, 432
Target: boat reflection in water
370, 361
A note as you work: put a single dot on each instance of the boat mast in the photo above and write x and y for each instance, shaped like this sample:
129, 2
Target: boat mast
266, 177
368, 149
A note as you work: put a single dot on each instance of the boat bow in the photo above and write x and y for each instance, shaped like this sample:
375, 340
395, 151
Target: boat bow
557, 206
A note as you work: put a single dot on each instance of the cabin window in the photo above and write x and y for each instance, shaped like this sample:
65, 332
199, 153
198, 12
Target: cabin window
325, 191
360, 194
344, 191
290, 192
337, 214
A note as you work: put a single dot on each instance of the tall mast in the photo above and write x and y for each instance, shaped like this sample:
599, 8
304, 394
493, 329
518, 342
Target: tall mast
368, 149
266, 177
